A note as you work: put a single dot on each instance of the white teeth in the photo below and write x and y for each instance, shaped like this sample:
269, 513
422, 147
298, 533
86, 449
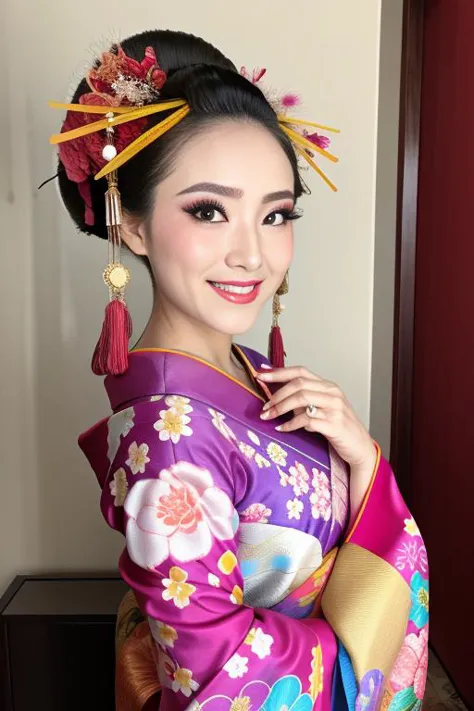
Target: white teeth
234, 289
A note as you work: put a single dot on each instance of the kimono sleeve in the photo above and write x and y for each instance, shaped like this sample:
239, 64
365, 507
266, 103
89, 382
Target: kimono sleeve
180, 559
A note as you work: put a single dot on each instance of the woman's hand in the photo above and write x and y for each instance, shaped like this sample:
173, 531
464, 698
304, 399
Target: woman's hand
333, 417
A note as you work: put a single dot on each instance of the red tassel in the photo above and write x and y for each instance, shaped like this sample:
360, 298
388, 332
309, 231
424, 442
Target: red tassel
276, 351
111, 352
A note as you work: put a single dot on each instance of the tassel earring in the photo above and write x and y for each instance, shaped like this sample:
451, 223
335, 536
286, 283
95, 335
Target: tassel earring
276, 350
111, 352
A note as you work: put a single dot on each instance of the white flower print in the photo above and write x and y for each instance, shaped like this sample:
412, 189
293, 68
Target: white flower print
218, 420
236, 667
261, 461
247, 450
119, 425
411, 555
299, 478
173, 425
178, 514
213, 580
277, 454
183, 681
180, 404
295, 508
284, 477
165, 635
137, 458
155, 398
119, 487
259, 642
256, 513
253, 437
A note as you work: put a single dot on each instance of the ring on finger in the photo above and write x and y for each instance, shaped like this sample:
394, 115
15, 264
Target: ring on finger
312, 411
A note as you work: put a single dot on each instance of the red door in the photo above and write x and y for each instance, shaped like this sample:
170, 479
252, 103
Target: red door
442, 469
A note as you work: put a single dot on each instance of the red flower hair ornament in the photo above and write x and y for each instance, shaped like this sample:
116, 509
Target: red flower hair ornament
108, 127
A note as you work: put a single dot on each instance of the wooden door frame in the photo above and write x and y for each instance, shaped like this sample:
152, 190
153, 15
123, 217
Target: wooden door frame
404, 314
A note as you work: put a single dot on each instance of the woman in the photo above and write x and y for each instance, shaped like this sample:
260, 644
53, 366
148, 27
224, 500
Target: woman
274, 563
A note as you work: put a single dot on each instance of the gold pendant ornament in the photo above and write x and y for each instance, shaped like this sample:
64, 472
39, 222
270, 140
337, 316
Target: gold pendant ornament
116, 276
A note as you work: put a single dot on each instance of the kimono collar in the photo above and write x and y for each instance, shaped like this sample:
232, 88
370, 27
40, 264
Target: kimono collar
159, 371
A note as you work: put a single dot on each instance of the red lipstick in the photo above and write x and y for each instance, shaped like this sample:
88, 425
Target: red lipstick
237, 292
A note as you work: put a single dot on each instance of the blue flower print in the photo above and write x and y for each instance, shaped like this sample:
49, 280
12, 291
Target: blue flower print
405, 701
285, 695
420, 598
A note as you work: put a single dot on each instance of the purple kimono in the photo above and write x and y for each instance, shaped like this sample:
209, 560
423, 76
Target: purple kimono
238, 550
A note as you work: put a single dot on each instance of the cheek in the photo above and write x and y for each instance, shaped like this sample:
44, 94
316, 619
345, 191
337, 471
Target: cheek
280, 252
177, 245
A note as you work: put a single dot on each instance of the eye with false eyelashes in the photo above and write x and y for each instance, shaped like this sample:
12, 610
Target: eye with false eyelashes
213, 212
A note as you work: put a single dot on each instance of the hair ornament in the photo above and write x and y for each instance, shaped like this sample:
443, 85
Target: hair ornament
123, 93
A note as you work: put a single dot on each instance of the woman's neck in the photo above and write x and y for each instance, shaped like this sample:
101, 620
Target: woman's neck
194, 339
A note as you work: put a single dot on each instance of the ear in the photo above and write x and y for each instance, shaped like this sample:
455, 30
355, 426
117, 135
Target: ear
134, 234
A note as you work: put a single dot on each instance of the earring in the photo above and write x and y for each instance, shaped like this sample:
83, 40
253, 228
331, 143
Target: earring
111, 352
276, 350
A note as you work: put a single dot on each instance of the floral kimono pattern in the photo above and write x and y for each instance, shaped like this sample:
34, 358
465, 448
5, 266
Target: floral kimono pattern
253, 593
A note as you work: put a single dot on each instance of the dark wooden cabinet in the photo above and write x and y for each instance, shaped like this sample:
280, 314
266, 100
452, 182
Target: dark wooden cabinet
57, 643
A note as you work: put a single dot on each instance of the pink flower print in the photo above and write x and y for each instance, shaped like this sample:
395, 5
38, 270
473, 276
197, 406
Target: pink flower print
320, 504
284, 477
412, 664
411, 555
321, 483
256, 513
299, 478
177, 514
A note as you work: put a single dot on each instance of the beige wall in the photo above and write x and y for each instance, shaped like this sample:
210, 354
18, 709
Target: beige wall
51, 291
385, 221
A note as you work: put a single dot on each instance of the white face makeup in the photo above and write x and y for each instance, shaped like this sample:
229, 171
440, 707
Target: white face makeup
221, 238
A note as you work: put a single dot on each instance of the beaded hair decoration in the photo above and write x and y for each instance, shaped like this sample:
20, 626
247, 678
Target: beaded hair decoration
124, 92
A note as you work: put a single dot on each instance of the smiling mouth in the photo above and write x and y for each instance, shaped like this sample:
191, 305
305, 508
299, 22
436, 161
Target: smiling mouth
233, 288
243, 293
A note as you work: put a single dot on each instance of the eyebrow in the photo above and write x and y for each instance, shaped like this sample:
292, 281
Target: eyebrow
235, 193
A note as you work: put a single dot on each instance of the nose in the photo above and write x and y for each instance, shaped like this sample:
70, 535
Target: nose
245, 250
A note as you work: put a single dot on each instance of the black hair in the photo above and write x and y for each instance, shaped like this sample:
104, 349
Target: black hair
213, 88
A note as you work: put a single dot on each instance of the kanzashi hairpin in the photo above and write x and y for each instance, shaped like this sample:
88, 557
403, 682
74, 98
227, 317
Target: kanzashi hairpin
107, 128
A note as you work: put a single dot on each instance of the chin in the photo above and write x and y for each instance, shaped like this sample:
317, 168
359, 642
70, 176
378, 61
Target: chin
234, 326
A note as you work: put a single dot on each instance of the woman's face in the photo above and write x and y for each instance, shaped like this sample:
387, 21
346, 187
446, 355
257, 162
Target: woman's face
220, 238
